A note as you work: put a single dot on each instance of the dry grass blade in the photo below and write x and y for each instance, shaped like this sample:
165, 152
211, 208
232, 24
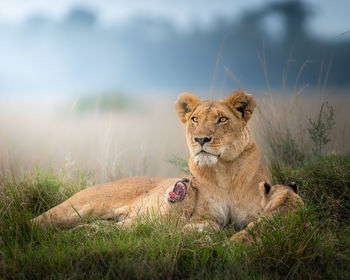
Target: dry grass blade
342, 34
327, 73
300, 72
217, 66
285, 70
233, 78
320, 76
262, 60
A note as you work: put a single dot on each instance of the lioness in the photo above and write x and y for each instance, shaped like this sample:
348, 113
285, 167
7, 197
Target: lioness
223, 156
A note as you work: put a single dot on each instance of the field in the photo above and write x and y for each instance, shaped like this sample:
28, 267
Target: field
49, 153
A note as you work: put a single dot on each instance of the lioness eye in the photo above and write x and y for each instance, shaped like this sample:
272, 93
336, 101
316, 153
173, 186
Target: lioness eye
194, 119
222, 119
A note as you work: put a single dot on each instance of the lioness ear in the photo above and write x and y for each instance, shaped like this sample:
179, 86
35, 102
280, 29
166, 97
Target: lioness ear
185, 104
242, 104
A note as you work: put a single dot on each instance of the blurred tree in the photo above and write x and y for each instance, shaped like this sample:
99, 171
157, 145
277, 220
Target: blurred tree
81, 17
295, 13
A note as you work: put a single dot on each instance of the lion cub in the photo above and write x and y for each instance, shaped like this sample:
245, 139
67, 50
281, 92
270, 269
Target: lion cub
184, 197
275, 199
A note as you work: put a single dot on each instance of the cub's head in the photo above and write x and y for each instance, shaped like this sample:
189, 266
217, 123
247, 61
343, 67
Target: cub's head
279, 198
215, 129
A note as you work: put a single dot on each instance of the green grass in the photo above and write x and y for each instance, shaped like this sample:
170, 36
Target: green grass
313, 243
325, 182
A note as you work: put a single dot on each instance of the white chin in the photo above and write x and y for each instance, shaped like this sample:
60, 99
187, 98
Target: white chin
204, 159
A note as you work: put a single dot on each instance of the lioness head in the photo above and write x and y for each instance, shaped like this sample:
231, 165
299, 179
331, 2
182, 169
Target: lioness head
215, 129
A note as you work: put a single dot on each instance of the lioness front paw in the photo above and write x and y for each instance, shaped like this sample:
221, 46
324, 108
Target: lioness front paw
200, 227
195, 227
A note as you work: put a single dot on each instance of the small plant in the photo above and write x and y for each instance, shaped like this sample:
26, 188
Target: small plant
180, 162
320, 128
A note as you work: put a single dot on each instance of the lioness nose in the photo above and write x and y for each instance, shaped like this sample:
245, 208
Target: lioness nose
202, 140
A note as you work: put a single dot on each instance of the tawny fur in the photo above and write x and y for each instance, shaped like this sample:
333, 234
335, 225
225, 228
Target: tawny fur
228, 172
279, 199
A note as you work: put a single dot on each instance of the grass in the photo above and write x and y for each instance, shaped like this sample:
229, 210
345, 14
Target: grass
325, 183
313, 243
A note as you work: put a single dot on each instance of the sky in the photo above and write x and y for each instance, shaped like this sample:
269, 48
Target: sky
56, 58
331, 17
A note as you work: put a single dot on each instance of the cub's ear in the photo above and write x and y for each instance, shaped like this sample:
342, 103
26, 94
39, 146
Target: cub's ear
242, 104
265, 188
294, 186
185, 104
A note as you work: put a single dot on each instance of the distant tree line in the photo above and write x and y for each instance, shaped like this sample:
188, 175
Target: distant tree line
79, 54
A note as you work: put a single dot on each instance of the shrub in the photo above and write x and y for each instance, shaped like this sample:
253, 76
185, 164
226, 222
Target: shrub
320, 129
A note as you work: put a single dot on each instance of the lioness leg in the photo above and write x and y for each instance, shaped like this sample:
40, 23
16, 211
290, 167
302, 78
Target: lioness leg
67, 214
